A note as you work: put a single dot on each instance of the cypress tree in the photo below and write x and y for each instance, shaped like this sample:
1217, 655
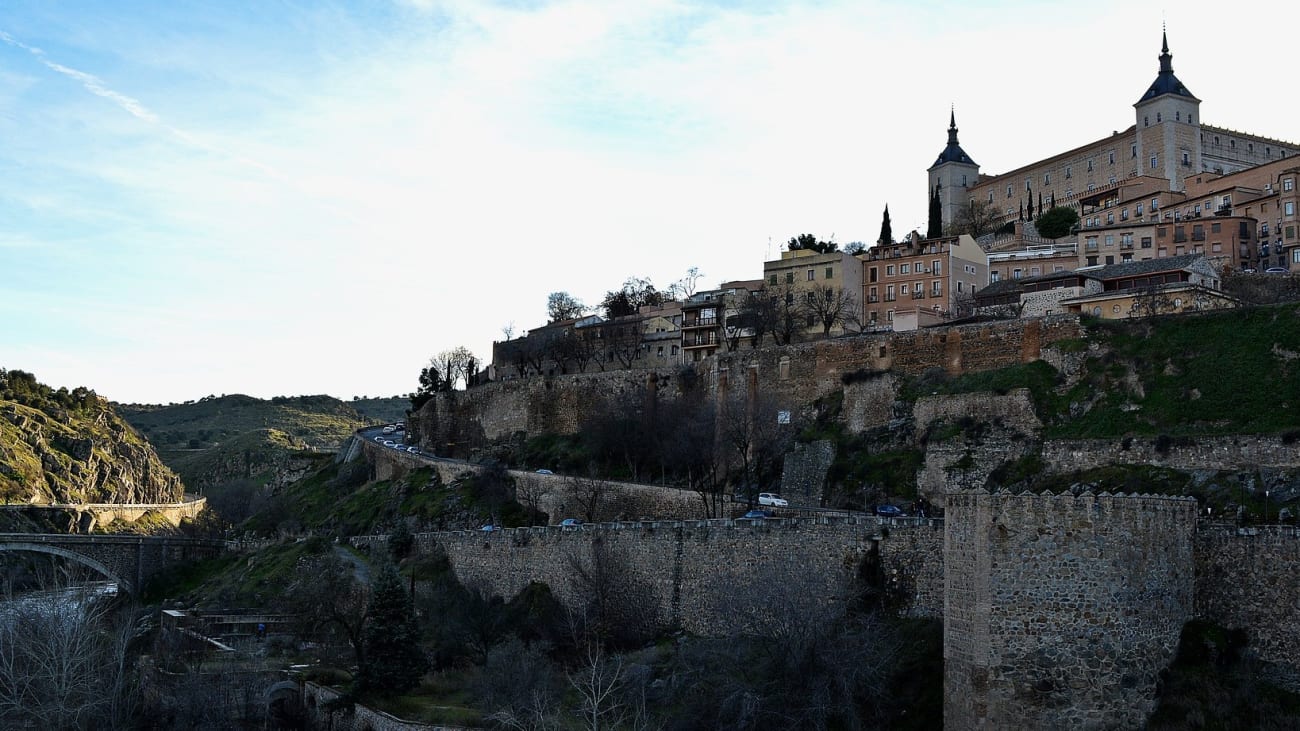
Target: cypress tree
394, 660
935, 228
886, 232
1031, 205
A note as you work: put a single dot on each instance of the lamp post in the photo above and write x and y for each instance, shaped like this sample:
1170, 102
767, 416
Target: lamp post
1266, 501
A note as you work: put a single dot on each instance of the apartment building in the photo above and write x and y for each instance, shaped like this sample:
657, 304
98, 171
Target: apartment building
938, 275
715, 320
802, 274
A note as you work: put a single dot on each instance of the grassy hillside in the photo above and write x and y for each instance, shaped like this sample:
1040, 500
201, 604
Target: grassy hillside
319, 421
1226, 372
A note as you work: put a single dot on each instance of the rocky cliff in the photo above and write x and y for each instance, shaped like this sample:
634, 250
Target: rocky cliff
72, 447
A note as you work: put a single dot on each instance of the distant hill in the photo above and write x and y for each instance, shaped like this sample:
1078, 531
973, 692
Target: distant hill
72, 446
386, 410
320, 422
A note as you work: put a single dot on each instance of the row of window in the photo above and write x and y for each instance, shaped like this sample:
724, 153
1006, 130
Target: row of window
812, 275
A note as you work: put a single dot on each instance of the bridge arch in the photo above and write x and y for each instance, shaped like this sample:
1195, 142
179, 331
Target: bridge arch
122, 584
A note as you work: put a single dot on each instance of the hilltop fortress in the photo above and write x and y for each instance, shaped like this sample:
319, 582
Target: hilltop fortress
1059, 611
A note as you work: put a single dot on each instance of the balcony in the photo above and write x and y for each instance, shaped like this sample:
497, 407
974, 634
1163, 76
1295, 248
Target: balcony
918, 295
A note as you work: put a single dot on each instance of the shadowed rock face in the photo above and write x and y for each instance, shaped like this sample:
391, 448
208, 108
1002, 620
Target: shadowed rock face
89, 454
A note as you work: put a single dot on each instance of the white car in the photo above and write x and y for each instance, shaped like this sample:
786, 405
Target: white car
389, 442
771, 498
389, 429
413, 450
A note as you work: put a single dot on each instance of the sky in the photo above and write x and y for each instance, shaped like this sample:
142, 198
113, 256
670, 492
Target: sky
283, 198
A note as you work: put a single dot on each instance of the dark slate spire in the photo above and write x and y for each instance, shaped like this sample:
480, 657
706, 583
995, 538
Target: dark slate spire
1166, 82
953, 152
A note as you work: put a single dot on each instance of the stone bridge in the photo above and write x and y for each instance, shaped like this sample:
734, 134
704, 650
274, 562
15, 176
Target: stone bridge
125, 559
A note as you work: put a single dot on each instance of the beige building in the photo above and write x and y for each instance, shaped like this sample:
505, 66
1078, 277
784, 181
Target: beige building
939, 275
804, 273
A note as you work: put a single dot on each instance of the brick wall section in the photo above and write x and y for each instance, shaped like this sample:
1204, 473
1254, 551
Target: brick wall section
1239, 452
1061, 611
708, 577
1246, 578
794, 375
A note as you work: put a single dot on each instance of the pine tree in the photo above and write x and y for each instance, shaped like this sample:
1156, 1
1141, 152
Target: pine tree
886, 232
394, 660
935, 228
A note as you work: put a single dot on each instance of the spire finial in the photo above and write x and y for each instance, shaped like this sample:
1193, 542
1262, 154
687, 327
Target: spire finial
952, 116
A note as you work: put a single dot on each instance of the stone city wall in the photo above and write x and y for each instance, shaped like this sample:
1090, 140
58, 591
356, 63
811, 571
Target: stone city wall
793, 376
708, 577
1246, 578
1061, 611
1237, 452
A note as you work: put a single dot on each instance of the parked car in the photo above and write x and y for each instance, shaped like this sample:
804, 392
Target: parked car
413, 450
890, 511
757, 514
771, 498
1276, 270
379, 439
389, 442
545, 472
489, 528
399, 427
570, 523
389, 429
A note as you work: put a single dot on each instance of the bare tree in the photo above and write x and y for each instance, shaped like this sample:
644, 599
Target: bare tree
977, 219
591, 495
693, 451
330, 596
453, 366
599, 684
622, 340
685, 287
529, 492
829, 306
756, 437
64, 662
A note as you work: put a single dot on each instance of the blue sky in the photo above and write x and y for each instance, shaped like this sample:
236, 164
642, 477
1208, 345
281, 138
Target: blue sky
305, 197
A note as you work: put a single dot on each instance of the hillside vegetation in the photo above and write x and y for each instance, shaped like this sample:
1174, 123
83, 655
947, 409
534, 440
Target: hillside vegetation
61, 446
322, 422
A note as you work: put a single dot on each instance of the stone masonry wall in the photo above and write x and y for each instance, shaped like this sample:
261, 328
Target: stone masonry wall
1246, 579
1239, 452
1014, 410
793, 376
708, 577
1060, 611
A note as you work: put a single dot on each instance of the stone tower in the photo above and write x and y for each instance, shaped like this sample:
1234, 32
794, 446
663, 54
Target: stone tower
1168, 140
952, 174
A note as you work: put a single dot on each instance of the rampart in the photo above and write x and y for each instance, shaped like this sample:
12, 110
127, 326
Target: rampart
1246, 578
793, 375
1061, 611
708, 577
